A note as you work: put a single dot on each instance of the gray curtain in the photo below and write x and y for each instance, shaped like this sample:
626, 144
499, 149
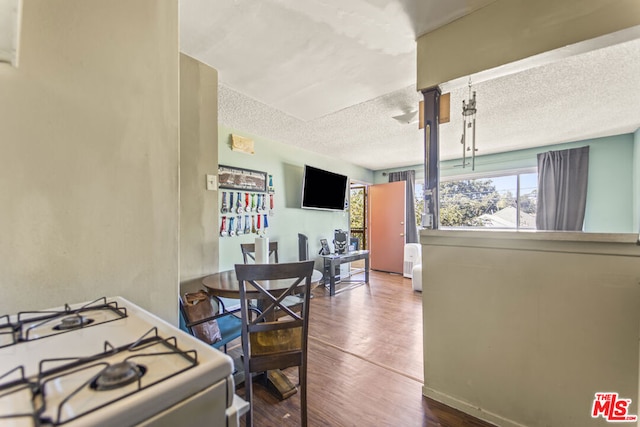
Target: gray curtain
411, 228
562, 189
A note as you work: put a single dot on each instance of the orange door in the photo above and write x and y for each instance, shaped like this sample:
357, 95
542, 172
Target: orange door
386, 226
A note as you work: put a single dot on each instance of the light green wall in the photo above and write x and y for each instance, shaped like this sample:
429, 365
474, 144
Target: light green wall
610, 196
285, 163
610, 186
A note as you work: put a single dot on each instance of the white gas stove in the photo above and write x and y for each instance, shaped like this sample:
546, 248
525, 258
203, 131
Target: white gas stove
109, 362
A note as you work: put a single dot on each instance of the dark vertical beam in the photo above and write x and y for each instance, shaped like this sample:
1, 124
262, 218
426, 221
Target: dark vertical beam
431, 158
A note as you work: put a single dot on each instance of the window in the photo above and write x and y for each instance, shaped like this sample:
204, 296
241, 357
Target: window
494, 201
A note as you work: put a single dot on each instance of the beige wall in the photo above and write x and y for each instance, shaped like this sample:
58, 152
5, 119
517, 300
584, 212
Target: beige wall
510, 30
89, 152
525, 332
198, 157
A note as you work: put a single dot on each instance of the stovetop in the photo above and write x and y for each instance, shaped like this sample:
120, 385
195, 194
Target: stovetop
33, 325
57, 376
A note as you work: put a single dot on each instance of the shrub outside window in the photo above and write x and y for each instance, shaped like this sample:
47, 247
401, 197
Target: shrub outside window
502, 202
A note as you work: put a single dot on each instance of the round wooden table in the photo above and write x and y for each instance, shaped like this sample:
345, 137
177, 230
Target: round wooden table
225, 284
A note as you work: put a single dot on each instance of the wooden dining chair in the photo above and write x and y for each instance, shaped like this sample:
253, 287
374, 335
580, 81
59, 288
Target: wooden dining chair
294, 302
271, 341
249, 252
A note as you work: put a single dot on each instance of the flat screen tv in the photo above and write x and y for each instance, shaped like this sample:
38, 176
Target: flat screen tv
322, 189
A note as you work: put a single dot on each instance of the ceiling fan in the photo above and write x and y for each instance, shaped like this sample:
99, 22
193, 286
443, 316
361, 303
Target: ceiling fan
408, 117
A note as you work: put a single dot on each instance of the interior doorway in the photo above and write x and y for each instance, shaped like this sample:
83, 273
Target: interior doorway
386, 223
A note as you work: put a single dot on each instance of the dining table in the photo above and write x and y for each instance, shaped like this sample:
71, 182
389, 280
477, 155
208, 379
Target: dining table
225, 284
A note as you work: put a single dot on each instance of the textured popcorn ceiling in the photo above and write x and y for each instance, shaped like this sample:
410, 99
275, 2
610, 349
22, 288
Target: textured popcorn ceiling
584, 96
329, 75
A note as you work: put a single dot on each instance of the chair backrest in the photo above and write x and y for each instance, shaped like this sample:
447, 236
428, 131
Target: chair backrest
303, 247
279, 341
249, 252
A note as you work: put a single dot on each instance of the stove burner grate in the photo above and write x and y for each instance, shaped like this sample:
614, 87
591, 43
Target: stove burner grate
9, 332
73, 322
18, 407
118, 375
66, 389
33, 325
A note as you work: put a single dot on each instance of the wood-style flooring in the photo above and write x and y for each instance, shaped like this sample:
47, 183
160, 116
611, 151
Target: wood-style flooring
365, 363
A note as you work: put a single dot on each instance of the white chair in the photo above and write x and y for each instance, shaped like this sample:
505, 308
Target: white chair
416, 279
413, 264
412, 256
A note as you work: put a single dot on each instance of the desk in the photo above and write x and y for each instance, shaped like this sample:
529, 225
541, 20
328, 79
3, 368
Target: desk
333, 260
225, 284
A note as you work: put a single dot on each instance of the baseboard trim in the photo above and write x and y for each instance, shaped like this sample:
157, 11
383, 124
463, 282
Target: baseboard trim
468, 408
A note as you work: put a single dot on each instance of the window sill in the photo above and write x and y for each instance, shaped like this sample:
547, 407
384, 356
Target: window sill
548, 241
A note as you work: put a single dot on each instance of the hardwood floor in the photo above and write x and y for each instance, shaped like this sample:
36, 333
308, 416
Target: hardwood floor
365, 363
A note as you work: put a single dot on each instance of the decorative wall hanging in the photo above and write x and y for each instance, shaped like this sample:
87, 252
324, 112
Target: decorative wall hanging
242, 179
245, 204
242, 144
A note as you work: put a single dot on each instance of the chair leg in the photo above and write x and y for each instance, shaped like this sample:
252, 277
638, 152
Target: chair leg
248, 392
302, 375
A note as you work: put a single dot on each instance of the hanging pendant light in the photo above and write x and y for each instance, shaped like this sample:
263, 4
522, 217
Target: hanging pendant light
468, 140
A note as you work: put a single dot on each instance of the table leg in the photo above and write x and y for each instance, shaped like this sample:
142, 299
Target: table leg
332, 278
325, 273
275, 381
279, 384
366, 268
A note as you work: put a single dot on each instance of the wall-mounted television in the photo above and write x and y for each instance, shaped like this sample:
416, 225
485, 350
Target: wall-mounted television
322, 189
